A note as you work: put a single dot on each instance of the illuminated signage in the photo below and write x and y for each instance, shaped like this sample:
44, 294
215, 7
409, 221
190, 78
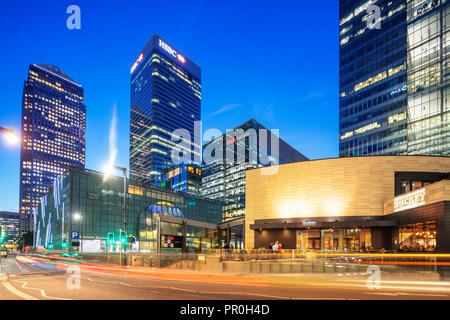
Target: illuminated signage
410, 200
171, 51
426, 6
93, 196
309, 223
369, 127
399, 90
136, 63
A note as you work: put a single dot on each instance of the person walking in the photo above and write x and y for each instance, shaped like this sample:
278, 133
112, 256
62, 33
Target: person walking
275, 247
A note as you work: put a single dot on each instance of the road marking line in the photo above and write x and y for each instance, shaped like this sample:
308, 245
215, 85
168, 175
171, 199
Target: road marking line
21, 294
342, 285
398, 287
126, 284
421, 294
270, 296
382, 293
430, 283
230, 293
248, 293
159, 287
186, 290
42, 291
287, 298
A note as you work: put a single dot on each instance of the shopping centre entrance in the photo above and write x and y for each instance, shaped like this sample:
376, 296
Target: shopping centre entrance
344, 239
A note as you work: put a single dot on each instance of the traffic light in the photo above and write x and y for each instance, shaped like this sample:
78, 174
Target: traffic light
50, 246
123, 238
110, 238
64, 244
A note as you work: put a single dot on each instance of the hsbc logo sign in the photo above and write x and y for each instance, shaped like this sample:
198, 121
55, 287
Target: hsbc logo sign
171, 51
136, 63
166, 48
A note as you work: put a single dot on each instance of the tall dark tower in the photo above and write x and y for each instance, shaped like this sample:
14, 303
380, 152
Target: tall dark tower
165, 96
428, 77
372, 78
53, 134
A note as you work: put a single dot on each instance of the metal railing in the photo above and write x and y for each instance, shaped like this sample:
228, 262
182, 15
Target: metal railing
266, 261
390, 260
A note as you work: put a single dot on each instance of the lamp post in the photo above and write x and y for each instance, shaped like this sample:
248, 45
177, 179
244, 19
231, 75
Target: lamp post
77, 217
10, 136
108, 171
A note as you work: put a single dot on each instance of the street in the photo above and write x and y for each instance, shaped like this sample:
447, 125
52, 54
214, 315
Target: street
26, 279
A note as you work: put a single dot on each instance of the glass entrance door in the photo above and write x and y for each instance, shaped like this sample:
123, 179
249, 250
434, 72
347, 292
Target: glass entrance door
302, 240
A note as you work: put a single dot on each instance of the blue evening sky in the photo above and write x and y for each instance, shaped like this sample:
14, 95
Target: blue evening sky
275, 61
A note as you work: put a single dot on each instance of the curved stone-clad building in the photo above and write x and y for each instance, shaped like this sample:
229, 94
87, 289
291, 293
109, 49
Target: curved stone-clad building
348, 204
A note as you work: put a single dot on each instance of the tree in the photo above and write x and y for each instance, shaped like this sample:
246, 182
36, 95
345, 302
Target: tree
25, 240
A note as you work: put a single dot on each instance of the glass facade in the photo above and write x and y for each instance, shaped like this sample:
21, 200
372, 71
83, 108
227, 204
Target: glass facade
334, 239
224, 178
9, 227
394, 81
418, 237
165, 96
174, 236
184, 178
428, 77
98, 204
53, 134
372, 103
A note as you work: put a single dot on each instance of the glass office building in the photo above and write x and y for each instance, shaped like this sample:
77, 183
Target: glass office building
9, 225
165, 96
224, 176
82, 203
53, 134
373, 84
184, 178
428, 77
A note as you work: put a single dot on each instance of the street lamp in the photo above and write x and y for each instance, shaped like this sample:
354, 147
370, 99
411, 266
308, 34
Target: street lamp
77, 217
10, 136
108, 170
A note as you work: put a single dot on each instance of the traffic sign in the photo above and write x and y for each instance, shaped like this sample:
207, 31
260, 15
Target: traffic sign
75, 235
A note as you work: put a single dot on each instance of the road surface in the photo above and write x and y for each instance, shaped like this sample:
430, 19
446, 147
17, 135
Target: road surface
26, 279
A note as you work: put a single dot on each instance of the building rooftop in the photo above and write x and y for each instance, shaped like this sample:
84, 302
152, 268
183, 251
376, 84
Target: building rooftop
56, 71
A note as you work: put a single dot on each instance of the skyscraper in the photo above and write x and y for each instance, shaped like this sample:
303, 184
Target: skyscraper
53, 134
224, 178
184, 178
165, 96
428, 77
9, 227
372, 103
394, 80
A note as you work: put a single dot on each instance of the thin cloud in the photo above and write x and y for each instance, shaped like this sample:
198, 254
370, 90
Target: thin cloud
313, 95
226, 108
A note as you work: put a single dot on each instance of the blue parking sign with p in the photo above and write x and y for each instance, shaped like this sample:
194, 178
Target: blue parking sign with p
75, 235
